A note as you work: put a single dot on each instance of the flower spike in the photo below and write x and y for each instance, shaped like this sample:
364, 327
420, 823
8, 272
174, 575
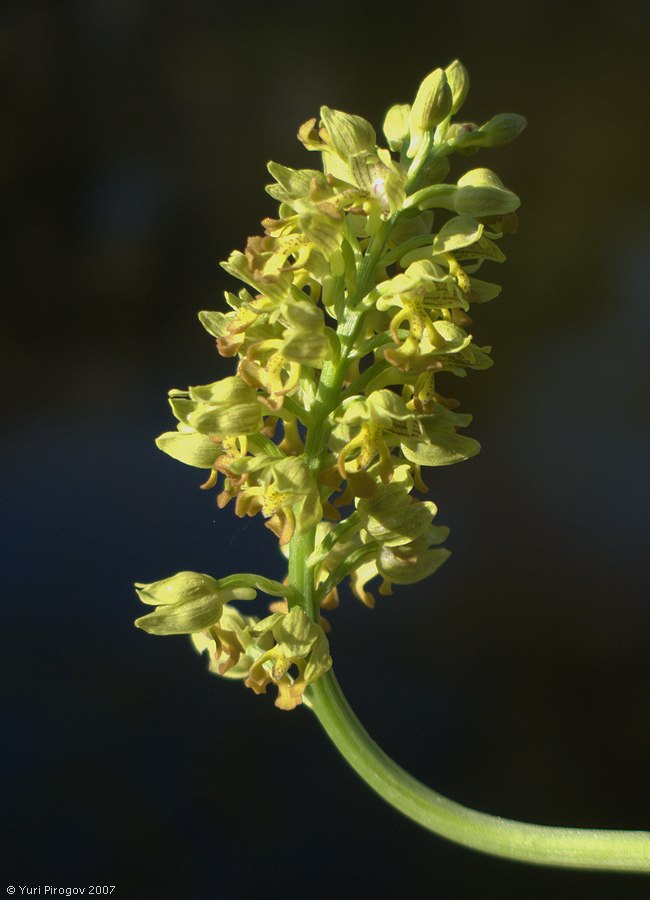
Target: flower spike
356, 309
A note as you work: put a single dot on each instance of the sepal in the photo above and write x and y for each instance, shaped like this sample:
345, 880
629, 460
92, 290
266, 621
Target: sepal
226, 407
406, 565
481, 194
189, 447
458, 81
456, 234
396, 126
347, 134
227, 640
391, 516
293, 183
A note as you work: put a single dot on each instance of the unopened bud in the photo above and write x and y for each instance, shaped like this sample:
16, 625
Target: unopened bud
433, 102
186, 603
458, 80
396, 125
501, 129
481, 193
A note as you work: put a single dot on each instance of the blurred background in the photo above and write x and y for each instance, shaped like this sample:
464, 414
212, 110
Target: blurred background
134, 138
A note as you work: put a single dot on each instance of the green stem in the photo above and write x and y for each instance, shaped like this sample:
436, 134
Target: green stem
301, 576
578, 848
328, 394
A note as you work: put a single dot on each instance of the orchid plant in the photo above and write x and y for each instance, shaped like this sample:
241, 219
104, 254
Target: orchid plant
353, 321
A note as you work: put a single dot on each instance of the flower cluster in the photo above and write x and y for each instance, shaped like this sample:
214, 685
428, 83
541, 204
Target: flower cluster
355, 310
285, 649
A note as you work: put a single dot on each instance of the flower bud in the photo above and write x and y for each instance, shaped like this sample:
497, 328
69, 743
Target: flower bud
458, 80
179, 588
226, 407
480, 178
482, 193
433, 102
396, 125
189, 447
186, 603
500, 130
432, 105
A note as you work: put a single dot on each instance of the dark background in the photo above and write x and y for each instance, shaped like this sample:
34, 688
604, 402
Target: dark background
134, 140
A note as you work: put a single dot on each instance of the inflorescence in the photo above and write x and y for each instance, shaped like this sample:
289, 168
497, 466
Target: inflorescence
355, 312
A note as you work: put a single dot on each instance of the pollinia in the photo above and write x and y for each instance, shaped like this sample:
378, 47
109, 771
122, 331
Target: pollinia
353, 322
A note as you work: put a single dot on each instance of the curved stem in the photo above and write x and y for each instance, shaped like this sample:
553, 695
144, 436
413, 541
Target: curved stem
623, 851
578, 848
